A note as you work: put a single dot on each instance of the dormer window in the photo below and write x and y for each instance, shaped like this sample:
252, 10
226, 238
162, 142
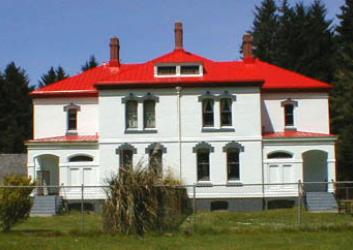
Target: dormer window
190, 70
166, 70
179, 70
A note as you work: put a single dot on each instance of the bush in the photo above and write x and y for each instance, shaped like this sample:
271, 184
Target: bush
139, 200
15, 203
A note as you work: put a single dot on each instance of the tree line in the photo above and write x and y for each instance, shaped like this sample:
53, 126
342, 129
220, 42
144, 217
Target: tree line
297, 37
16, 104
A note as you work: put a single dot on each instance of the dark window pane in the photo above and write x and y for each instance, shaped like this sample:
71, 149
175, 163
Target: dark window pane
288, 115
233, 165
131, 114
277, 155
126, 159
189, 69
226, 112
166, 70
207, 113
72, 119
149, 119
80, 158
156, 161
203, 166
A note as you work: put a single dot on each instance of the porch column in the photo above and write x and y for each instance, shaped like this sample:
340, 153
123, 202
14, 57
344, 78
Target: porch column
331, 174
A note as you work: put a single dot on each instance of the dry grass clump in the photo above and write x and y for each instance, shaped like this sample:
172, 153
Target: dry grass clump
139, 200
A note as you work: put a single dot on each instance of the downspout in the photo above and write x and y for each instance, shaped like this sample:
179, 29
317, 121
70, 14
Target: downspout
178, 91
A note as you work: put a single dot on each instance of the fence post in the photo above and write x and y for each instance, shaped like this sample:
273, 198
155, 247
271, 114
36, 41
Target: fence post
194, 198
299, 202
82, 210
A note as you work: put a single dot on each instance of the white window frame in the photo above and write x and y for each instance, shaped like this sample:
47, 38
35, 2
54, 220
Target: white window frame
178, 70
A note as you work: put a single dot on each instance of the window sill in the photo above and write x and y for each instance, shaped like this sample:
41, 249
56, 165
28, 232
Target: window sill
222, 129
204, 184
290, 128
136, 131
234, 183
71, 132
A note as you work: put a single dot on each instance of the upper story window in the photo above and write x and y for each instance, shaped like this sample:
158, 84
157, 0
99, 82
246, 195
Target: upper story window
226, 111
149, 115
289, 118
207, 113
288, 115
71, 118
178, 70
131, 114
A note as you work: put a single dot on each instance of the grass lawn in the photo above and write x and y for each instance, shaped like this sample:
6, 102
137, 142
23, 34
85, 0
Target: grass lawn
275, 229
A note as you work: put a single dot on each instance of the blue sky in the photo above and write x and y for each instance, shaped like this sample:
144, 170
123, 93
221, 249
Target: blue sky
43, 33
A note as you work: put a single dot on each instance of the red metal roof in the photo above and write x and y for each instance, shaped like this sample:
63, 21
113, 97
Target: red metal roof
229, 72
294, 134
66, 138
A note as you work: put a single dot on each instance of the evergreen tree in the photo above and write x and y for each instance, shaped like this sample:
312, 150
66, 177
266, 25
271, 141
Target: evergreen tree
91, 63
341, 95
264, 30
16, 110
53, 75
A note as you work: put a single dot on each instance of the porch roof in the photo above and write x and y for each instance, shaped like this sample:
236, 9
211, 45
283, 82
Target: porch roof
66, 139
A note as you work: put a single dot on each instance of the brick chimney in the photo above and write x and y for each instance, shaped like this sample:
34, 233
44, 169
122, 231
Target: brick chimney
178, 35
248, 46
114, 51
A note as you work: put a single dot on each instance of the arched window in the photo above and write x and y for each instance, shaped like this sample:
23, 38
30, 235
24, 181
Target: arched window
288, 106
78, 158
71, 119
279, 155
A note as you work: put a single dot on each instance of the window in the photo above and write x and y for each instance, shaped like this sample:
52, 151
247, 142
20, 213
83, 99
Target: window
203, 165
72, 120
155, 161
279, 155
288, 115
189, 69
166, 70
126, 159
233, 164
78, 158
149, 119
207, 113
226, 112
131, 114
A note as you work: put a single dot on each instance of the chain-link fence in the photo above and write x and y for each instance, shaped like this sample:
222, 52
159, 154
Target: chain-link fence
80, 207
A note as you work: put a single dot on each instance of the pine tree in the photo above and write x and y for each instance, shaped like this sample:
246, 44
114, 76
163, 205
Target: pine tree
53, 75
341, 95
16, 108
91, 63
264, 30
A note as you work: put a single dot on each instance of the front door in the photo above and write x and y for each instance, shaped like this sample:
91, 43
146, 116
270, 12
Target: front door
43, 180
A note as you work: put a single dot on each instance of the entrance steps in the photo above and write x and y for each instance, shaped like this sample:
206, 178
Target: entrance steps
47, 205
321, 202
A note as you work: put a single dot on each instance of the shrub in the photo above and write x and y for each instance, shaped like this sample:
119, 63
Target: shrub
139, 200
15, 203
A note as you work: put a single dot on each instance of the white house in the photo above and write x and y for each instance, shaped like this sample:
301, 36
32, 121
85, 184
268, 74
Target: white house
233, 122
